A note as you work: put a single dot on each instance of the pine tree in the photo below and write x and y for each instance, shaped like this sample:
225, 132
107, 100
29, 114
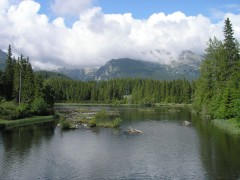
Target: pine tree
231, 47
8, 75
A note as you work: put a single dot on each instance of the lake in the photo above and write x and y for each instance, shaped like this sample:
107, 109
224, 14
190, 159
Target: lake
165, 150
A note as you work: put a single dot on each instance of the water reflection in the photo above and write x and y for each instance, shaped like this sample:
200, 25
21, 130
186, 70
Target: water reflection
219, 152
17, 144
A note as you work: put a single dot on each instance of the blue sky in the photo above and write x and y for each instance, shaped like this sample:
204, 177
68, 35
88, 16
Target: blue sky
142, 9
88, 33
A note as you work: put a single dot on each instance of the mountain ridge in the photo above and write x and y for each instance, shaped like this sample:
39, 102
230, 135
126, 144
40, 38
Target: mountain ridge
186, 66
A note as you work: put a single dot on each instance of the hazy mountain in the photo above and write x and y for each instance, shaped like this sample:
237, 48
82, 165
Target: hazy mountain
123, 68
188, 63
84, 74
187, 66
3, 57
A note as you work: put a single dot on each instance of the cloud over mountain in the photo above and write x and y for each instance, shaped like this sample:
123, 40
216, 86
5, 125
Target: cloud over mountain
96, 37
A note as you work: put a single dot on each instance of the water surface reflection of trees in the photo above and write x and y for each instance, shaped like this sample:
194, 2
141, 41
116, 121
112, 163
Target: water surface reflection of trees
219, 152
17, 143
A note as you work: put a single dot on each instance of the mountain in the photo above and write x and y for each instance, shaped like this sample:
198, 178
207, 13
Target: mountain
86, 74
187, 66
3, 57
124, 68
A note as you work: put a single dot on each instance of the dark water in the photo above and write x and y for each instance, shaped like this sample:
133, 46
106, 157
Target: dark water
166, 150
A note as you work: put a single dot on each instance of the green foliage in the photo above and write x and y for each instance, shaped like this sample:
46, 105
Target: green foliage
105, 119
102, 116
25, 121
116, 122
230, 126
9, 110
65, 124
19, 84
218, 88
236, 109
39, 106
92, 122
137, 91
23, 111
8, 75
2, 93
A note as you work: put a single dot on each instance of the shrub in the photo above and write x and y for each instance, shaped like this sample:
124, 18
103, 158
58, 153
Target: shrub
39, 106
102, 116
8, 110
11, 111
116, 122
64, 123
23, 111
92, 122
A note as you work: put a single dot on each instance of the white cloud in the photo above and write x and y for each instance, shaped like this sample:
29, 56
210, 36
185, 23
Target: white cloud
70, 7
4, 4
96, 37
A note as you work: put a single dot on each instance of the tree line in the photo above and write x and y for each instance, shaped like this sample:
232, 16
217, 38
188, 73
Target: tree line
137, 91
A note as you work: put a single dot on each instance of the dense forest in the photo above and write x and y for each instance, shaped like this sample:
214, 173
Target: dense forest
137, 91
218, 88
23, 93
216, 93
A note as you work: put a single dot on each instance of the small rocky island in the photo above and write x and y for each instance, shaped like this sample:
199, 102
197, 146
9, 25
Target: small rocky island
77, 118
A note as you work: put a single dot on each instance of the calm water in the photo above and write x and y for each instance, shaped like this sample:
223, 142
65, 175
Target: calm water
166, 150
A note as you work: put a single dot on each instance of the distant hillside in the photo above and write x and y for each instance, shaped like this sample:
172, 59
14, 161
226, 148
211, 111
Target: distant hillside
86, 74
124, 68
187, 66
3, 57
51, 74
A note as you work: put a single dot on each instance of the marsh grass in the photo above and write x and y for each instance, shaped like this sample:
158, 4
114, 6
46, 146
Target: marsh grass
230, 126
26, 121
110, 123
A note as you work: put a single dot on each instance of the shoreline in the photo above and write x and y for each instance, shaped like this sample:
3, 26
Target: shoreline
4, 124
229, 126
112, 104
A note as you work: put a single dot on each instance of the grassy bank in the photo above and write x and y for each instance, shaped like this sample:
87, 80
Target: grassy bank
112, 104
26, 121
230, 126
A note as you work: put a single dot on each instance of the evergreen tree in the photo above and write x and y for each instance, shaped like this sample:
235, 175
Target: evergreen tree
8, 75
1, 85
231, 47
